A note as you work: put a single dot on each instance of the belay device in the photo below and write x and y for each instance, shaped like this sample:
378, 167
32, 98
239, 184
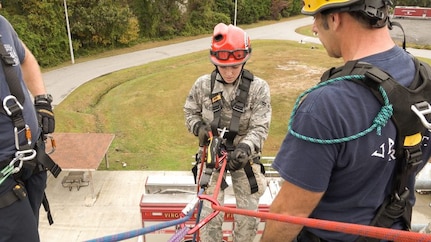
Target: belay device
213, 159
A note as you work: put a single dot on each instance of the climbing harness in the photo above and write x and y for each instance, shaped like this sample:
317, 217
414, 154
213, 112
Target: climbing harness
238, 108
400, 104
31, 156
12, 107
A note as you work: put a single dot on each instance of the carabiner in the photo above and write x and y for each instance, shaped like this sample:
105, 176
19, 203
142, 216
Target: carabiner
27, 134
15, 169
6, 107
53, 144
421, 109
25, 155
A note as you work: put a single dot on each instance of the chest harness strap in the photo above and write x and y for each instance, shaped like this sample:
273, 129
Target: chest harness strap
238, 108
405, 101
12, 107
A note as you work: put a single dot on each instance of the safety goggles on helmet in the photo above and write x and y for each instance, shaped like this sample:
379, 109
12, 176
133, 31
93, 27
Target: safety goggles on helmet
230, 45
225, 54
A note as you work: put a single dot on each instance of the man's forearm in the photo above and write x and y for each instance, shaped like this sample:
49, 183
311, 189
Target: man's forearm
276, 231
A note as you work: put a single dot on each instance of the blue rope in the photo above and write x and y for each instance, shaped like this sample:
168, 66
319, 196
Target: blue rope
379, 121
198, 217
142, 231
137, 232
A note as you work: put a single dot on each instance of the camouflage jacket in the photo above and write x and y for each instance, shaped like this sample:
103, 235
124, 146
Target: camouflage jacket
254, 122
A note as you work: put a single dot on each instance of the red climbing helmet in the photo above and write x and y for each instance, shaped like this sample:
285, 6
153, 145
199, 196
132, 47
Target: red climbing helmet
230, 45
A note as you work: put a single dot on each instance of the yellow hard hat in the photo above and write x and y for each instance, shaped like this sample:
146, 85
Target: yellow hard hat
312, 7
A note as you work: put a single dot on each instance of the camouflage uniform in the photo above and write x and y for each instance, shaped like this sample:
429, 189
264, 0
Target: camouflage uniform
253, 130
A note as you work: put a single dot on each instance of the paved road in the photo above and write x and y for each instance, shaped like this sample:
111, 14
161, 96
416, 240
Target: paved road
61, 82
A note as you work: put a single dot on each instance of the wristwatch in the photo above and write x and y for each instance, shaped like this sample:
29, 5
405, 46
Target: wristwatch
44, 97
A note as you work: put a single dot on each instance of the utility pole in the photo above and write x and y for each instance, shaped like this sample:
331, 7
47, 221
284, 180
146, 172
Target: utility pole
236, 9
68, 33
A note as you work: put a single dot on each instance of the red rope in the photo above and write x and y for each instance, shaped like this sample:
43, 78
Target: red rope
348, 228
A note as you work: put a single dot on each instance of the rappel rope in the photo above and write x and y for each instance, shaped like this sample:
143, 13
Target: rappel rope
379, 121
179, 236
341, 227
187, 212
355, 229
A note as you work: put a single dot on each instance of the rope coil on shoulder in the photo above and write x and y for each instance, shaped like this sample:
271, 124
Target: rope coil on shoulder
379, 121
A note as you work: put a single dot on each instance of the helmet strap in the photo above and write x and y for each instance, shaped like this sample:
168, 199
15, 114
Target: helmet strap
390, 26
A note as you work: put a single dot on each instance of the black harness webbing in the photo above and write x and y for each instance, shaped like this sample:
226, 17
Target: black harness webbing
12, 79
238, 108
409, 131
251, 178
14, 111
13, 103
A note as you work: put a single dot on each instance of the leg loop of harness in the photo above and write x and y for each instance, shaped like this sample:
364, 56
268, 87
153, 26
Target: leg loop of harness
44, 161
254, 187
251, 178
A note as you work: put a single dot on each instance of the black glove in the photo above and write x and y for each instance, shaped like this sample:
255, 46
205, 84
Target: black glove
239, 157
201, 131
45, 116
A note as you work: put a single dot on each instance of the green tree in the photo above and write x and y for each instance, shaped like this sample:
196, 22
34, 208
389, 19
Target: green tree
294, 8
144, 10
41, 25
100, 24
202, 18
160, 19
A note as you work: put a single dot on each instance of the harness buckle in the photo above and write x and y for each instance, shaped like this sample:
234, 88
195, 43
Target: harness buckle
421, 109
216, 107
413, 157
7, 108
239, 107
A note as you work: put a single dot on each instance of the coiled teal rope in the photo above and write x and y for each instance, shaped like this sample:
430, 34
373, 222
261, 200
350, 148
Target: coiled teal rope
379, 121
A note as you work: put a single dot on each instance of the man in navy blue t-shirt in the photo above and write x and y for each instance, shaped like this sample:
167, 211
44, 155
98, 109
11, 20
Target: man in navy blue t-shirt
347, 181
21, 193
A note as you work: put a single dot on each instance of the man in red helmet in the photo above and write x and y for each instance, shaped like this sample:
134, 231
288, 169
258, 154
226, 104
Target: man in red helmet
232, 98
332, 169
